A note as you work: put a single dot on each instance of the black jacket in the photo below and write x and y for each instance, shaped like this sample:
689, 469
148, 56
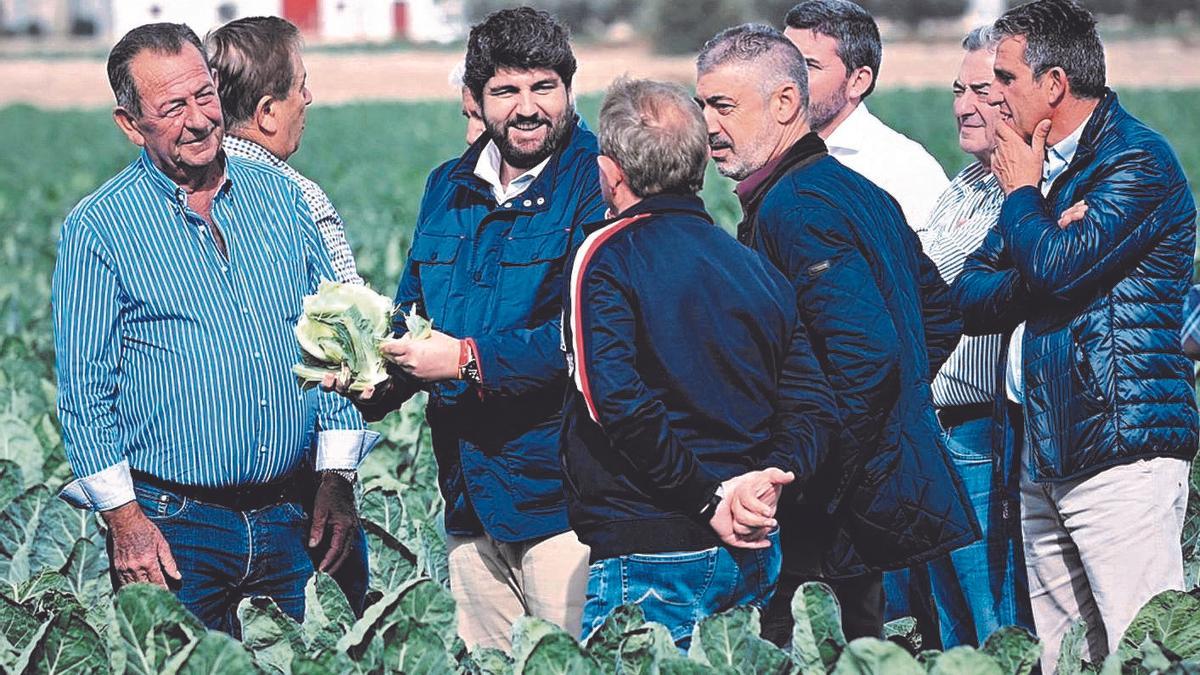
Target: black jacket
881, 323
691, 367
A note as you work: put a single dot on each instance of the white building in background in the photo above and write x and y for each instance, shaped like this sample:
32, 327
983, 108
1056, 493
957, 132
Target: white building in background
319, 20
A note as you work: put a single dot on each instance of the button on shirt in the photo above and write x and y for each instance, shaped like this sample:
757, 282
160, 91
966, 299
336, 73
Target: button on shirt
1058, 158
968, 208
488, 168
175, 360
890, 160
329, 222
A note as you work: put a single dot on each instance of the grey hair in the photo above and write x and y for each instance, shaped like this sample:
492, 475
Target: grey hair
160, 38
655, 131
1059, 34
762, 45
979, 39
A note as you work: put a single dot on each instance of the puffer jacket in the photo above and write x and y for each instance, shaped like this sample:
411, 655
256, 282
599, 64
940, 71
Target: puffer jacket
494, 273
1106, 381
881, 324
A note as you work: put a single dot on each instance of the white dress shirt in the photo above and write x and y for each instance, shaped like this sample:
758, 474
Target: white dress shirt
488, 168
890, 160
1058, 158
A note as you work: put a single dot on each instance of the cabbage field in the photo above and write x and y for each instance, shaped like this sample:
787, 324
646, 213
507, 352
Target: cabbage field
57, 610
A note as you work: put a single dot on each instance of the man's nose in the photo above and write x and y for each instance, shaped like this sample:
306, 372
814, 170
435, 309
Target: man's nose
526, 104
196, 119
710, 121
995, 96
963, 105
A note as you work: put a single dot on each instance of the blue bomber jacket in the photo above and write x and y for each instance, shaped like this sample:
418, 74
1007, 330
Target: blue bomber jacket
494, 273
691, 366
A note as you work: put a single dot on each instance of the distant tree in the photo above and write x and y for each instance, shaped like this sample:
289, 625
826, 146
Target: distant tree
913, 12
683, 27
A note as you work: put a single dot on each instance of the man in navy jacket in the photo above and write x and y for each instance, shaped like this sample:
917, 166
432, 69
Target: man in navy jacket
692, 373
879, 318
1096, 383
487, 266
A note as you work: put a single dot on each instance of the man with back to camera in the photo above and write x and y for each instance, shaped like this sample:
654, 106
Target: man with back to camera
841, 45
487, 267
1095, 381
176, 290
263, 87
872, 302
692, 372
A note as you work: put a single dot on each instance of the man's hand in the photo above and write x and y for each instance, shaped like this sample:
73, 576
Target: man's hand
431, 359
333, 512
746, 515
139, 552
1073, 215
331, 382
1016, 163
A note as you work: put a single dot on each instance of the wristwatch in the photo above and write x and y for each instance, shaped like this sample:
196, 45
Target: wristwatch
468, 362
349, 475
710, 507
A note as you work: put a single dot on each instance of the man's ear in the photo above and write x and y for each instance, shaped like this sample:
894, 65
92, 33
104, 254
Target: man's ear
611, 173
127, 123
1055, 85
264, 115
787, 104
859, 82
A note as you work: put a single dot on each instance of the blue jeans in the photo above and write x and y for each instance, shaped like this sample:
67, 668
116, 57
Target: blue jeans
225, 555
679, 589
980, 587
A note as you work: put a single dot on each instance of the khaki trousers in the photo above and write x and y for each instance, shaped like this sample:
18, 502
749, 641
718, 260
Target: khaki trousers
495, 583
1100, 547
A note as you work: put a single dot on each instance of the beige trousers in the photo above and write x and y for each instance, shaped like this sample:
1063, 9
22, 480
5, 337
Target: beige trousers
495, 583
1098, 548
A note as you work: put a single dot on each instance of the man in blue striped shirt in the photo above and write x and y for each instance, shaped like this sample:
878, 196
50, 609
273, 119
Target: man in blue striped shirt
176, 289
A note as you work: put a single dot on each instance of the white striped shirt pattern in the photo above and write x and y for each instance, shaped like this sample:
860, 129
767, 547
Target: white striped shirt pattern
329, 222
964, 213
175, 360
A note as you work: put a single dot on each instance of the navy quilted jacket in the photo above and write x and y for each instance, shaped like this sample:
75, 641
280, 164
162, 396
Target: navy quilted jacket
1106, 381
881, 324
494, 272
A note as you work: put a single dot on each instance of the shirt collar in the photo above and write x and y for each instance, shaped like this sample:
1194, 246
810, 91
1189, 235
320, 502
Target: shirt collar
488, 169
243, 147
853, 133
1059, 155
170, 188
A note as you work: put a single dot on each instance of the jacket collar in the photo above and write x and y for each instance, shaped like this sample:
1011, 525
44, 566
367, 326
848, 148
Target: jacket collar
540, 193
666, 202
808, 148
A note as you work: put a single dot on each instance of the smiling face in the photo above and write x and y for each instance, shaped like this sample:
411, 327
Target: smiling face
741, 131
1022, 99
828, 80
527, 113
975, 118
181, 126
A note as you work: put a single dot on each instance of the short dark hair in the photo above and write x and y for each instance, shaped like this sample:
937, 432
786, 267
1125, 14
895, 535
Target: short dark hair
853, 27
252, 57
1058, 34
520, 38
656, 133
754, 42
160, 38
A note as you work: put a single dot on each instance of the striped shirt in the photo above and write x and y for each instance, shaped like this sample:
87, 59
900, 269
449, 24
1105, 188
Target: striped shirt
329, 222
964, 213
175, 360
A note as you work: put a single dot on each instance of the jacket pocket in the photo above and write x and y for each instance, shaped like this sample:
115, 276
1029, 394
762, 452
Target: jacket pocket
434, 256
533, 250
1084, 375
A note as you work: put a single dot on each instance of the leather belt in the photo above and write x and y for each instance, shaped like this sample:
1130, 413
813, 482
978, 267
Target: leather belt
954, 415
234, 498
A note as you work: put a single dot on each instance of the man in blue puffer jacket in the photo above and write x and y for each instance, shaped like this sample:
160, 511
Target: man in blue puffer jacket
1095, 374
486, 266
